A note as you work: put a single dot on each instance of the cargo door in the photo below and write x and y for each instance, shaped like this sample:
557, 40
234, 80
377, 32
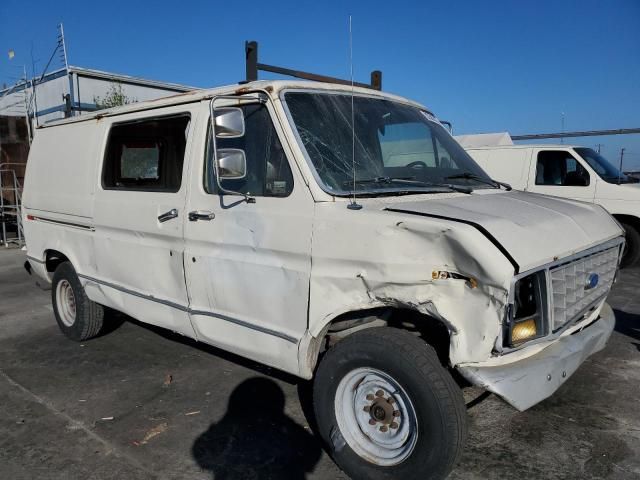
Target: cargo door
139, 212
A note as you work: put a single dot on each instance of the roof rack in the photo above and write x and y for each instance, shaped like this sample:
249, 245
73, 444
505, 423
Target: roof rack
253, 66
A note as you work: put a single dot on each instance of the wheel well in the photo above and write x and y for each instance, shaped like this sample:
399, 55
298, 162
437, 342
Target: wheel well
629, 220
432, 331
53, 258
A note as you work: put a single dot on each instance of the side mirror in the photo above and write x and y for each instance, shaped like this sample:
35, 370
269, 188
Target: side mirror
232, 164
229, 122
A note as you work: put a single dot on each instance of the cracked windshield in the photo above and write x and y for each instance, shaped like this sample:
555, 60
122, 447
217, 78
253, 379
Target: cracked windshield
397, 147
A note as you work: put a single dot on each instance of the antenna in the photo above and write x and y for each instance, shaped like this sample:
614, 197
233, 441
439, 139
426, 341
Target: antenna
353, 205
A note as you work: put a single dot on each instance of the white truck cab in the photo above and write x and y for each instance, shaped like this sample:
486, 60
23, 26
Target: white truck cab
374, 255
575, 172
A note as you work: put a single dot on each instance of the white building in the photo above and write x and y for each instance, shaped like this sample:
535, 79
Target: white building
73, 90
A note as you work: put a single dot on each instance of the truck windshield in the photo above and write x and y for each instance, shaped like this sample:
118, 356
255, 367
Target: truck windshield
397, 146
602, 167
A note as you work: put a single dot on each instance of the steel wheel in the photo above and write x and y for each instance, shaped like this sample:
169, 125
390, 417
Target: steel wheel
376, 416
66, 301
77, 316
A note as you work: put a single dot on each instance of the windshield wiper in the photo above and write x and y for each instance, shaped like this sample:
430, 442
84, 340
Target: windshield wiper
408, 181
478, 178
365, 181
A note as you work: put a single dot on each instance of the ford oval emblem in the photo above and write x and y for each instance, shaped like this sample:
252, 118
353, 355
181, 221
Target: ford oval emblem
592, 281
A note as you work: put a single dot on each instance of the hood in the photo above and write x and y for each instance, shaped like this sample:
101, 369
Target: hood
529, 228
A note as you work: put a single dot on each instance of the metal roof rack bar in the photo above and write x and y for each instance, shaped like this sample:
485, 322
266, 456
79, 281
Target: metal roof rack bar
253, 66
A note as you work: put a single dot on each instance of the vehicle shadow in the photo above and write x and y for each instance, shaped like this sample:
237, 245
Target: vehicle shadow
304, 387
628, 324
211, 350
256, 439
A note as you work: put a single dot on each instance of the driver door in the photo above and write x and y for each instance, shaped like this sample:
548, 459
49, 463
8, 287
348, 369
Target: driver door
248, 264
559, 173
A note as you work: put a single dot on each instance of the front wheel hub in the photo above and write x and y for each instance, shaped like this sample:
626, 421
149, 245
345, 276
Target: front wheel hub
376, 417
382, 411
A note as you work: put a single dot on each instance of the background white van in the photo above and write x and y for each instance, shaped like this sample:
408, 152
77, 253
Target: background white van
579, 173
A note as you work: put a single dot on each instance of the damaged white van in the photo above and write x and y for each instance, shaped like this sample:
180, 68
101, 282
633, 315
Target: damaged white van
377, 259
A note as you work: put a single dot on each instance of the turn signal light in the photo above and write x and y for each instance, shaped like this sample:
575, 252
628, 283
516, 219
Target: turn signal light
443, 275
523, 330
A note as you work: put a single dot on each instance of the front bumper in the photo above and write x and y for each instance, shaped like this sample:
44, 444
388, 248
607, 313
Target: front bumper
528, 381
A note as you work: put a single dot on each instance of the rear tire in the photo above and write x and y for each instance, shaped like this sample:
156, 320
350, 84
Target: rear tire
631, 253
387, 409
78, 317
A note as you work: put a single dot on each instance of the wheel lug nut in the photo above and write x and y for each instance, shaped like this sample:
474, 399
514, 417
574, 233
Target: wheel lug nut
370, 397
366, 408
372, 421
396, 413
394, 425
379, 393
383, 428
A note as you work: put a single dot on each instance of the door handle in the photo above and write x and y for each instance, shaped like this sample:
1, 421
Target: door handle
201, 215
173, 213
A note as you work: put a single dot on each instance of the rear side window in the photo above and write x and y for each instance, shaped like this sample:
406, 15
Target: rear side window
146, 155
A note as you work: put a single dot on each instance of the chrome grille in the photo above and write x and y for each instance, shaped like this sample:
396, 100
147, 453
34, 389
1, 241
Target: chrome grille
568, 281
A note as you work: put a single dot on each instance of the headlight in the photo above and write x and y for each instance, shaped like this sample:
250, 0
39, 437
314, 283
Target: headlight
526, 316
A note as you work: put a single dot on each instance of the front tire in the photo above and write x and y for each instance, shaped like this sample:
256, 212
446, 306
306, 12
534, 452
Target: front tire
631, 253
387, 409
78, 317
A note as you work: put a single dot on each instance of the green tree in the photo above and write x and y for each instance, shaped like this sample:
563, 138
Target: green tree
115, 97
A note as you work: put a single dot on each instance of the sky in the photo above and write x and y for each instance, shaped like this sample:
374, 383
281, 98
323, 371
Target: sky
486, 66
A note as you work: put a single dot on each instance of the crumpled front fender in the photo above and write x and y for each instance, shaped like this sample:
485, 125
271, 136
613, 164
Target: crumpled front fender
383, 258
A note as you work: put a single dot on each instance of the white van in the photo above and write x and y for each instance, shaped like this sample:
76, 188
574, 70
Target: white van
376, 260
568, 171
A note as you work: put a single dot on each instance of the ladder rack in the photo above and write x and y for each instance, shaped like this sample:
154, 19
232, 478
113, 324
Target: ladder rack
253, 66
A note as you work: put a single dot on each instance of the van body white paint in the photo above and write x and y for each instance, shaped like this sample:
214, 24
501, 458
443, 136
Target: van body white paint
266, 279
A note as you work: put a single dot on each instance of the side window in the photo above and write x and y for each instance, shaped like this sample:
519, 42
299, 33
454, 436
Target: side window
560, 168
443, 158
268, 170
146, 155
402, 144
